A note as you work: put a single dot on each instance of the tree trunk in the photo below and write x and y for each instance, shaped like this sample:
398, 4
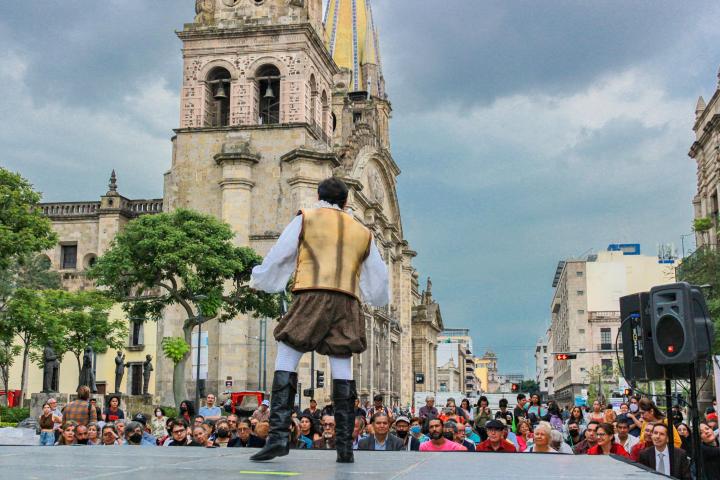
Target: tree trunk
77, 358
179, 387
23, 375
5, 374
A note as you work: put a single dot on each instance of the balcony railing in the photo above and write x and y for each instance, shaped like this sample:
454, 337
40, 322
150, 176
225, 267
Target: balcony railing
608, 347
603, 316
70, 209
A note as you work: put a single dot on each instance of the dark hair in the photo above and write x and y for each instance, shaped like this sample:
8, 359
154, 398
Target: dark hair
481, 399
465, 400
593, 422
648, 405
624, 421
520, 396
378, 415
607, 427
190, 407
334, 191
162, 411
110, 400
195, 417
180, 421
503, 402
362, 420
378, 398
661, 424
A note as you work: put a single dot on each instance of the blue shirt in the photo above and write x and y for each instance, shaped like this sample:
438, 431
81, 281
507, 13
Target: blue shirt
210, 412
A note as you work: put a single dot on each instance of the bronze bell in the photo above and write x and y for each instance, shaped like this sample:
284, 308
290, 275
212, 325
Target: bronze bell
220, 92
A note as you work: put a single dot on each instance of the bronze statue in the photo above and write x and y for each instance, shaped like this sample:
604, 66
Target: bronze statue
147, 369
87, 376
51, 366
119, 370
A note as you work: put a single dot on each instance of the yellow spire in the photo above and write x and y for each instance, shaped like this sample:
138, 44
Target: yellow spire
351, 38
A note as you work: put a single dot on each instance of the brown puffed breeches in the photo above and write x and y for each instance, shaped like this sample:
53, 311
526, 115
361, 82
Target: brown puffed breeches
324, 321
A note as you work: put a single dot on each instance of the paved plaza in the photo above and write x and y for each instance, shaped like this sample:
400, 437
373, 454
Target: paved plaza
195, 463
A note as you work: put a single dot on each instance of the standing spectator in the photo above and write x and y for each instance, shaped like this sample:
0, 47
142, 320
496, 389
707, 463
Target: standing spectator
158, 423
609, 416
677, 416
378, 407
622, 435
438, 442
541, 439
519, 410
262, 413
81, 435
685, 437
450, 414
640, 446
113, 412
606, 443
597, 415
381, 439
658, 458
505, 414
46, 422
535, 411
576, 415
495, 441
187, 410
210, 411
554, 417
590, 439
710, 451
67, 433
80, 411
98, 410
652, 414
109, 435
429, 410
327, 441
57, 417
179, 434
93, 434
634, 415
402, 431
483, 414
465, 409
313, 411
245, 437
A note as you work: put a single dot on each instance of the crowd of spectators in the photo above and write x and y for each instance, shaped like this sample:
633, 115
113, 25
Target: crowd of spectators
638, 430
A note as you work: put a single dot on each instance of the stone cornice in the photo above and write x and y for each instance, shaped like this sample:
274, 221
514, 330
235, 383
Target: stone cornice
240, 182
711, 125
264, 237
191, 32
307, 154
237, 157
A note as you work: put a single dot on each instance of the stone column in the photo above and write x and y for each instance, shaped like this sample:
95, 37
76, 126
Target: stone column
307, 169
236, 186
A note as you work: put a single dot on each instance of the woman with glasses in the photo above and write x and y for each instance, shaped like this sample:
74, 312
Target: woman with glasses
606, 443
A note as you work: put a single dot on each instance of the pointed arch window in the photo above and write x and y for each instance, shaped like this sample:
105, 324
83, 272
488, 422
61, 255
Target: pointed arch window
313, 100
268, 78
325, 112
218, 104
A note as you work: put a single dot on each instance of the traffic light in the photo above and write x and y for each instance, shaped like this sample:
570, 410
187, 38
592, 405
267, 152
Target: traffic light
565, 356
319, 379
420, 378
515, 387
681, 325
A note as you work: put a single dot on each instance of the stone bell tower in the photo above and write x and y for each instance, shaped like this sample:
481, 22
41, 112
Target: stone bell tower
254, 140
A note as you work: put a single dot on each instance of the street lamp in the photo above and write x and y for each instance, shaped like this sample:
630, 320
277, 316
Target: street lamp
199, 320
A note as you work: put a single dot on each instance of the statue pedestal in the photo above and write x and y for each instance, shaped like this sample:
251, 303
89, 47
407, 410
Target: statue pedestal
135, 404
37, 400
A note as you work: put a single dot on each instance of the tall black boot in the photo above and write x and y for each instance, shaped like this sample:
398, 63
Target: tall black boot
344, 395
282, 401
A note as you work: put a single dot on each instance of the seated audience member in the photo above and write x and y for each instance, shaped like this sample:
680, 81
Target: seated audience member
81, 435
108, 435
573, 433
658, 457
262, 430
495, 441
438, 442
541, 439
622, 434
67, 433
134, 434
245, 437
381, 439
200, 437
297, 439
590, 439
416, 430
710, 450
179, 434
402, 431
524, 434
358, 431
652, 414
557, 442
606, 443
327, 441
640, 446
222, 433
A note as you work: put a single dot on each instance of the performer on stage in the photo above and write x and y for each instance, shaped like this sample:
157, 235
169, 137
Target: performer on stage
336, 264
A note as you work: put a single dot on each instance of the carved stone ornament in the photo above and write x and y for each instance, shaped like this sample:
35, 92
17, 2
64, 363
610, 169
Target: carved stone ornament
231, 3
376, 187
205, 10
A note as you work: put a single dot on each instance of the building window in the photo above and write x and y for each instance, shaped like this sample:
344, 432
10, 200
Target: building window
605, 339
580, 293
545, 361
135, 378
218, 91
313, 100
579, 274
68, 257
581, 312
581, 331
357, 117
268, 78
137, 334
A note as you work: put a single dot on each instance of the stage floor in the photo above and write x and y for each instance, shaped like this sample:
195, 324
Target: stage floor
59, 463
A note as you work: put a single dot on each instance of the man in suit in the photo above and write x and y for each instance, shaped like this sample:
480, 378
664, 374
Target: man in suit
657, 457
381, 439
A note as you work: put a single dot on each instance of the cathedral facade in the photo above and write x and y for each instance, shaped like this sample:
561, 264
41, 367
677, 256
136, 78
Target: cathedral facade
276, 96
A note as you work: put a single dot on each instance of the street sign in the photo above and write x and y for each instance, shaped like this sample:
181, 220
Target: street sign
420, 378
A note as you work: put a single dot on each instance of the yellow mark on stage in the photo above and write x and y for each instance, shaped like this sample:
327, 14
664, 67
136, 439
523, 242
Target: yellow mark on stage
277, 474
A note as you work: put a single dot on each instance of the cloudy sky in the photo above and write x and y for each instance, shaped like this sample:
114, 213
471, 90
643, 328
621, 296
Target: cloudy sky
527, 131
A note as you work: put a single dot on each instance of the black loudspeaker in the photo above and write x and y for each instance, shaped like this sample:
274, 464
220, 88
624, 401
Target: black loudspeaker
638, 353
681, 324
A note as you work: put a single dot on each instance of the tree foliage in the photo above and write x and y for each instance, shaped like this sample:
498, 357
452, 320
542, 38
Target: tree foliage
23, 228
187, 259
175, 349
703, 268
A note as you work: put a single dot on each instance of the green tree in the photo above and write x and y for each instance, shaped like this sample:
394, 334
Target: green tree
33, 319
8, 353
529, 386
703, 268
23, 228
84, 321
185, 259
